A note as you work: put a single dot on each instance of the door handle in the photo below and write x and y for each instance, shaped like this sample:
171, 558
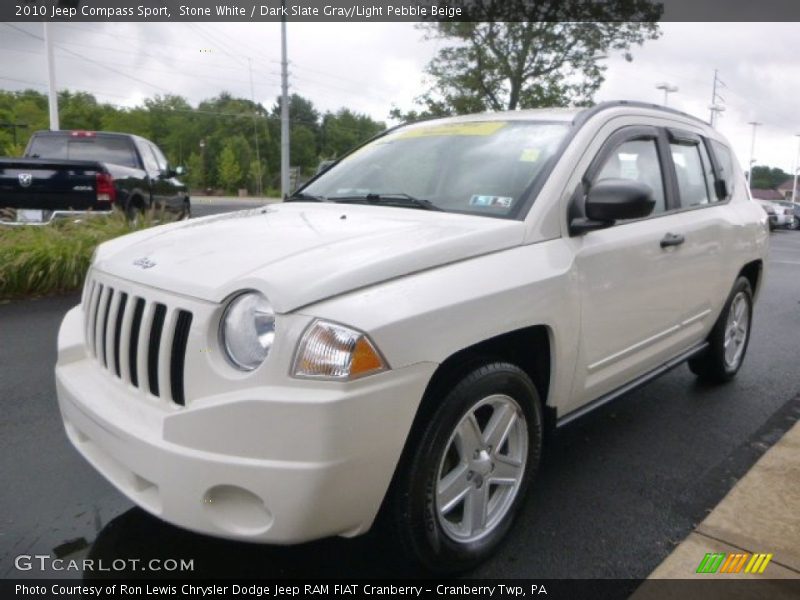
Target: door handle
672, 239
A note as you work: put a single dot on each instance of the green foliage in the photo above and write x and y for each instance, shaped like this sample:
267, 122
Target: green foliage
196, 137
36, 260
230, 173
552, 58
768, 178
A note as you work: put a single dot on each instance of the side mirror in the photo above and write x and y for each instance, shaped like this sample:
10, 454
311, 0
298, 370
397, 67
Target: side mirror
179, 171
611, 199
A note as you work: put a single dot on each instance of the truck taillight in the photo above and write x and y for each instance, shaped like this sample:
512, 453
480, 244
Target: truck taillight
106, 192
83, 134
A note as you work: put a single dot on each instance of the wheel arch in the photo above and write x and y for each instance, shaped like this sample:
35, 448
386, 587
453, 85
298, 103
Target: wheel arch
529, 348
753, 272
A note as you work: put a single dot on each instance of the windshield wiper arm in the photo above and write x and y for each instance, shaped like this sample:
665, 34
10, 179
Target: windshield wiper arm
303, 197
388, 199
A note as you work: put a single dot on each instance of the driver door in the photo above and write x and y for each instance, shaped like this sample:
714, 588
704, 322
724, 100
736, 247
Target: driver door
628, 280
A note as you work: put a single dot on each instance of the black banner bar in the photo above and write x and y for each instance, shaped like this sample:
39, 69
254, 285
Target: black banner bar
400, 10
714, 587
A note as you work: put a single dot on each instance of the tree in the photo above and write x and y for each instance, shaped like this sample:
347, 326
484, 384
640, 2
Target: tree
230, 173
343, 130
768, 178
552, 58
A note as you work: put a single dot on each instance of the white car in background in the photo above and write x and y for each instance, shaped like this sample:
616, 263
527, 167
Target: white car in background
779, 216
398, 336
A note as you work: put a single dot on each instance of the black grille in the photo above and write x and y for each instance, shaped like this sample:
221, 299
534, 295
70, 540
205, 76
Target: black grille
126, 338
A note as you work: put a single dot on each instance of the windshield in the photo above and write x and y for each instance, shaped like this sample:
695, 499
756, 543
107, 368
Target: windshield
481, 167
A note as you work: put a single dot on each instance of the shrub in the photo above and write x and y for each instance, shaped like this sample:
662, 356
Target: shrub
37, 260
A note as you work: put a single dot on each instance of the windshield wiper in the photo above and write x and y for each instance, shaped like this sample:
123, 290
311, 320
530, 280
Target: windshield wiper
398, 199
303, 197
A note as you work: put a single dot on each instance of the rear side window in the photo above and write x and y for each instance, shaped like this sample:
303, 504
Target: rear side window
725, 162
693, 187
113, 150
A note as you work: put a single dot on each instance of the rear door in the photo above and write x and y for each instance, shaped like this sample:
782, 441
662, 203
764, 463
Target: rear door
708, 228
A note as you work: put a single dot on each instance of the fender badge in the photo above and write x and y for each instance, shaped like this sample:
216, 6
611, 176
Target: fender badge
144, 262
25, 179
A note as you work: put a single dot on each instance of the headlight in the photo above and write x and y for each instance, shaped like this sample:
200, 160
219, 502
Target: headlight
248, 330
333, 351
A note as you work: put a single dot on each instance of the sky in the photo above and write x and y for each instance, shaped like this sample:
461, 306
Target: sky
371, 67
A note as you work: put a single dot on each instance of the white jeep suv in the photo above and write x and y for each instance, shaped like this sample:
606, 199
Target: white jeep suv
400, 333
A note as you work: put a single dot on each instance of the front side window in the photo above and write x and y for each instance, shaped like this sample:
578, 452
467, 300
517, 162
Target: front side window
693, 186
148, 158
481, 167
637, 160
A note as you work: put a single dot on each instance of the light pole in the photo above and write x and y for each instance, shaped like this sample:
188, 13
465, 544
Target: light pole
52, 92
284, 112
755, 124
796, 168
668, 89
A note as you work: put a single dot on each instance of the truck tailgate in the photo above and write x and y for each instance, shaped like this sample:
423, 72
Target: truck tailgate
45, 184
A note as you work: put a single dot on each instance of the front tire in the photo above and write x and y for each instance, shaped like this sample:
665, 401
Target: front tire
729, 338
186, 211
468, 472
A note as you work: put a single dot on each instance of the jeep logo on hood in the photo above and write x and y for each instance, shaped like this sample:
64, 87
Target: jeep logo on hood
144, 262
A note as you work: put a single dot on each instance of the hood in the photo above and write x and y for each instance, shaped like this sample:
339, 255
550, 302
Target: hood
300, 253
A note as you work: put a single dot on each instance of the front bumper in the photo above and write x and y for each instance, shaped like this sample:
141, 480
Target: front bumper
281, 463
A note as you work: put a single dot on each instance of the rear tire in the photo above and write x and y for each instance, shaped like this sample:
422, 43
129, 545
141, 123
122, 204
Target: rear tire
134, 210
463, 483
729, 338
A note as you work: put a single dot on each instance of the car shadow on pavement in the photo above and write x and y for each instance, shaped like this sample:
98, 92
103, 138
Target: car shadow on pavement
135, 535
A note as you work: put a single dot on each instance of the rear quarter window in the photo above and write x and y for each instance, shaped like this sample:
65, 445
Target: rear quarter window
725, 161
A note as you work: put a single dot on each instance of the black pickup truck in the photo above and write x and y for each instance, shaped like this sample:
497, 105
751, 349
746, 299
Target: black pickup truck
69, 173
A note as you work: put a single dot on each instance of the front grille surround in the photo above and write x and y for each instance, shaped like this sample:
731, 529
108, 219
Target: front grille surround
138, 336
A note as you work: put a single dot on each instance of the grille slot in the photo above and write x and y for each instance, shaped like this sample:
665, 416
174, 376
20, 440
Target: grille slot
123, 301
156, 330
141, 342
182, 327
95, 311
106, 313
133, 348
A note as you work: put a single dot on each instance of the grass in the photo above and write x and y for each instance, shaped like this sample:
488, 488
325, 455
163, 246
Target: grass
40, 260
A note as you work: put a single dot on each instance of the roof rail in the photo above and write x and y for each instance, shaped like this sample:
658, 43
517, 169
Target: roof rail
586, 114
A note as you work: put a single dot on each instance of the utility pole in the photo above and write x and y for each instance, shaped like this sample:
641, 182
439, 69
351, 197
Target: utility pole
668, 89
52, 92
255, 128
716, 108
796, 168
752, 152
284, 111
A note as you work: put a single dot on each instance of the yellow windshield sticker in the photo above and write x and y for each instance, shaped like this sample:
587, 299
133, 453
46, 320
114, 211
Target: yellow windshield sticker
477, 128
529, 155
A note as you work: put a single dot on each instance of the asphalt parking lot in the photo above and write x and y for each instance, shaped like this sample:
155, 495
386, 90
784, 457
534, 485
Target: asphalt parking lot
616, 491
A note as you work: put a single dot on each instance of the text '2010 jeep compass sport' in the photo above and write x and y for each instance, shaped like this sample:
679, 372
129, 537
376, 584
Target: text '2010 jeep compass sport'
400, 332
